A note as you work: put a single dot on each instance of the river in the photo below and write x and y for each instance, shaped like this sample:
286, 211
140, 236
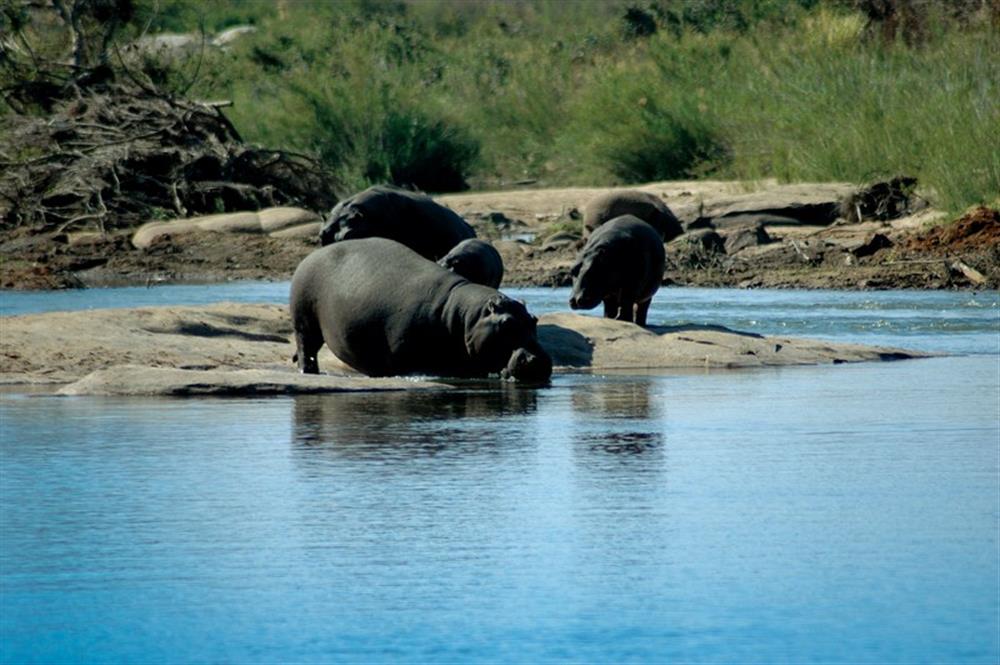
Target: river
842, 514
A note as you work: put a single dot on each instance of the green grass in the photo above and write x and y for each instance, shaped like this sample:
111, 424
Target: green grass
437, 93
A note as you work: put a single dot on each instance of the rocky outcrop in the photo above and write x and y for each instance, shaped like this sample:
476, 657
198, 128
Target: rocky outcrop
245, 349
576, 341
139, 380
812, 205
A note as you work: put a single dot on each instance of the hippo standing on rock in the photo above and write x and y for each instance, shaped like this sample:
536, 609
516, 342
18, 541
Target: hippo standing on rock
477, 261
621, 265
414, 219
385, 310
647, 207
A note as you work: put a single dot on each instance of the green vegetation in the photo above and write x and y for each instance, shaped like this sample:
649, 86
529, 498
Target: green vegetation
436, 94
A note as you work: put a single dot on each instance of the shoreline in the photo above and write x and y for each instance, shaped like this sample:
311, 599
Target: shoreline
738, 234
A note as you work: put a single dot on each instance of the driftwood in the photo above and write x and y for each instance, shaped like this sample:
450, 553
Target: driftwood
122, 154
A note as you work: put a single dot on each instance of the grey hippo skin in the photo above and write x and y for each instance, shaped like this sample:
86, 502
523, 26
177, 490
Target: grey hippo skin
647, 207
426, 227
477, 261
621, 265
385, 311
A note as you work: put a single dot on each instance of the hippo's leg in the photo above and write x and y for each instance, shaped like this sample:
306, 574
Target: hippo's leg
611, 307
641, 308
626, 311
307, 345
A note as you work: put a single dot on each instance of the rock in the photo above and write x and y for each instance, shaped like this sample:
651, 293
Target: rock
753, 219
706, 239
870, 246
275, 221
811, 204
698, 223
560, 240
229, 348
577, 341
230, 35
139, 380
310, 230
745, 236
166, 42
278, 219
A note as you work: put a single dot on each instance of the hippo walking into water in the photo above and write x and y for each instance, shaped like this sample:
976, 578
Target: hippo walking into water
622, 266
413, 219
385, 310
650, 208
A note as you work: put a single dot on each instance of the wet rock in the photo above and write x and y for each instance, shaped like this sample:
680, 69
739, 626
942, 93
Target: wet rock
232, 348
139, 380
579, 341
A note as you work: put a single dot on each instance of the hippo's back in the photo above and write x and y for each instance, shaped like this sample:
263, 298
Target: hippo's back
647, 207
477, 261
410, 218
635, 243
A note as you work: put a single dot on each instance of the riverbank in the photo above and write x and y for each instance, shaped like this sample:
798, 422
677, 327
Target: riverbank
747, 235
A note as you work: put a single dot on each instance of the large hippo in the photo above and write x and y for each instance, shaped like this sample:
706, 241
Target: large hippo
621, 265
476, 260
385, 310
647, 207
426, 227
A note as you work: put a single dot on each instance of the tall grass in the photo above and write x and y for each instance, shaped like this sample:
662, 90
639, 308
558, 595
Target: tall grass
434, 94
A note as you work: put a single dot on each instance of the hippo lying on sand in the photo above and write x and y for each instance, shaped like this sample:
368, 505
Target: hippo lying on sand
477, 261
426, 227
647, 207
385, 310
621, 265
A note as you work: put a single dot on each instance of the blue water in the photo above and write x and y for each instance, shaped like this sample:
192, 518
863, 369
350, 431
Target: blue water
843, 514
939, 321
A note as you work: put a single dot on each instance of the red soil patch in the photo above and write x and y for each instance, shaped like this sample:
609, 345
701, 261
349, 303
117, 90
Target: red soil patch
977, 229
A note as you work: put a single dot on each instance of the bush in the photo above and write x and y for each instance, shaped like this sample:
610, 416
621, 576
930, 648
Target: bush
433, 94
633, 127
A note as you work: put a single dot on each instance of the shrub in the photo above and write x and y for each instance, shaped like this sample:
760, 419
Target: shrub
634, 127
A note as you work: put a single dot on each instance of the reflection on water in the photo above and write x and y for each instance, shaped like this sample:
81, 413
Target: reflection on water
405, 424
617, 397
625, 443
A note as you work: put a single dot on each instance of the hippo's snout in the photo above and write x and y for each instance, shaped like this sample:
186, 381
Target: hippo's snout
579, 301
528, 366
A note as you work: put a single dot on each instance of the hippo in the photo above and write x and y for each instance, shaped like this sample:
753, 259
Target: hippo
622, 265
414, 219
385, 310
475, 260
647, 207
